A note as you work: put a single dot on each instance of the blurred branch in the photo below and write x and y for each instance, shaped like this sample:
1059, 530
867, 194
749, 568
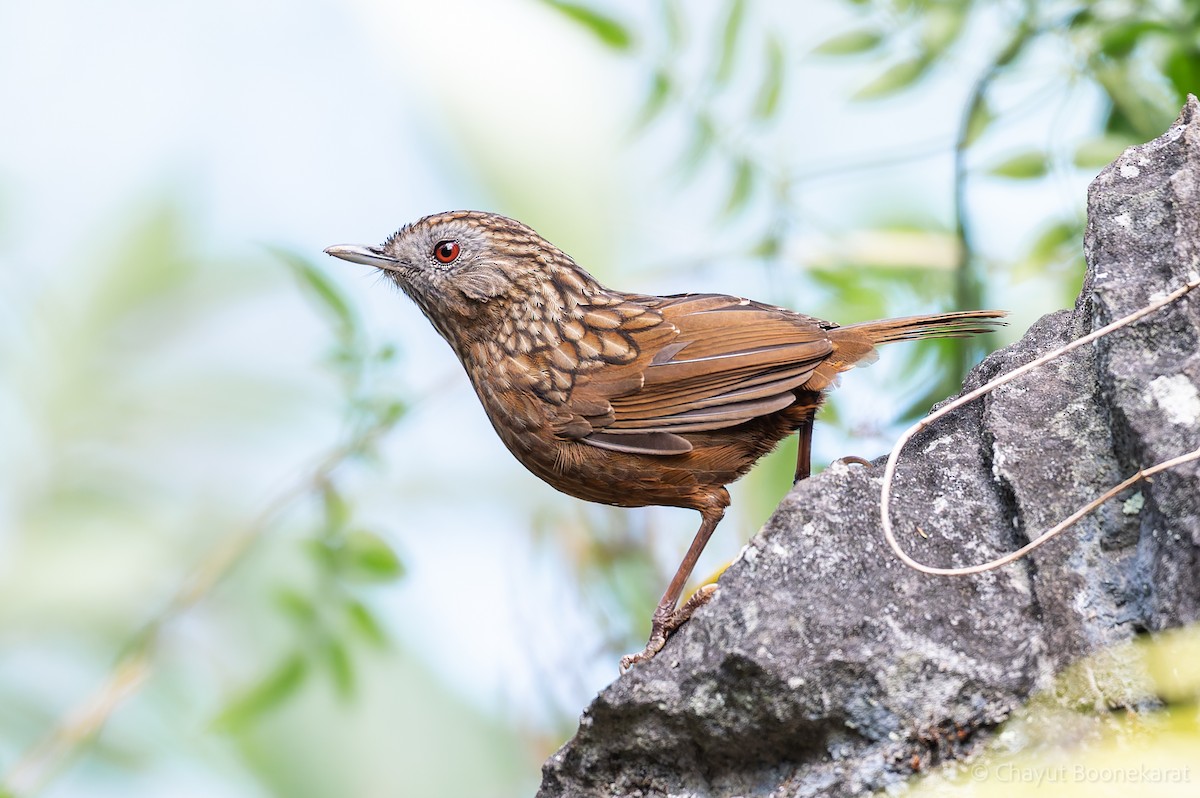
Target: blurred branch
36, 766
833, 169
131, 670
367, 422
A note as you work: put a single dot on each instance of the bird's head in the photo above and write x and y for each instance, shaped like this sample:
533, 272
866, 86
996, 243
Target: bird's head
460, 265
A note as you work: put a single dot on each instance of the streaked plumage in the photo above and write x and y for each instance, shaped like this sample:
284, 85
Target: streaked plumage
623, 398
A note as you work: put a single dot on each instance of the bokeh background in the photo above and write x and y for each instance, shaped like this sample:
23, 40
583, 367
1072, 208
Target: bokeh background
256, 535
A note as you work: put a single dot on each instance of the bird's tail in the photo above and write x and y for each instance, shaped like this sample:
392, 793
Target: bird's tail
855, 344
937, 325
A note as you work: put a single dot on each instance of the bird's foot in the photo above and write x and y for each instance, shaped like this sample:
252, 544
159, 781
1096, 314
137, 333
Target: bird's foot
665, 622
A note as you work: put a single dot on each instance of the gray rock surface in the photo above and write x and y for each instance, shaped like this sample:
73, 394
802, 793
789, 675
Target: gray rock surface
826, 667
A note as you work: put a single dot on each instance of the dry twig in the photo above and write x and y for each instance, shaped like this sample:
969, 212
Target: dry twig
889, 472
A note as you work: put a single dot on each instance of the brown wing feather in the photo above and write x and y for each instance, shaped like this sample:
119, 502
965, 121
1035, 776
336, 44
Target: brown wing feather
650, 404
725, 361
636, 371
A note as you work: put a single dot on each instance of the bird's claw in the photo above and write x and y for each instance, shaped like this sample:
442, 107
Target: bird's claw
851, 459
664, 624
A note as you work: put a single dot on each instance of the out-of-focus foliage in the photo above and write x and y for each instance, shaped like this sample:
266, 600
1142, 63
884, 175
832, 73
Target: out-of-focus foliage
87, 509
727, 77
1143, 57
145, 422
1121, 722
612, 33
331, 620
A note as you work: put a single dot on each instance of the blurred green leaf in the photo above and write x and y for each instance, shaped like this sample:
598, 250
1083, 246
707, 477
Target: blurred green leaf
1016, 45
849, 294
1050, 244
924, 394
1081, 18
731, 31
1171, 660
268, 694
1113, 704
392, 411
609, 31
702, 140
1183, 69
897, 78
1058, 247
296, 605
767, 247
656, 98
368, 557
326, 293
1096, 153
337, 510
771, 479
363, 621
387, 353
1022, 166
1119, 40
980, 120
767, 101
324, 552
1141, 105
941, 26
852, 43
341, 668
741, 188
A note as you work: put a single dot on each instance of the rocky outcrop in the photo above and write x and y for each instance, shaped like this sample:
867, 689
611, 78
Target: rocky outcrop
826, 667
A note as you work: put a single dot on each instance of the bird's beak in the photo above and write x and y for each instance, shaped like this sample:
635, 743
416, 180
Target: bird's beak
370, 256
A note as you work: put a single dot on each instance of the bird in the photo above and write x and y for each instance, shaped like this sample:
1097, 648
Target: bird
622, 398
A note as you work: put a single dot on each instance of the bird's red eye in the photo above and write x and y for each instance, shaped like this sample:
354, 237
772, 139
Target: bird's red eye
446, 251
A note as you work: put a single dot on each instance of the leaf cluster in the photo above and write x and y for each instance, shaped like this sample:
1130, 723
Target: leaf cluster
708, 100
1141, 56
331, 622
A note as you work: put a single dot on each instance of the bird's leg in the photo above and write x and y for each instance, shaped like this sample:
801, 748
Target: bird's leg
804, 450
667, 617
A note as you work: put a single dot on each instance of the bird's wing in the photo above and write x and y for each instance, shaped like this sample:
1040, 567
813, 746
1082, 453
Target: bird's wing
706, 362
